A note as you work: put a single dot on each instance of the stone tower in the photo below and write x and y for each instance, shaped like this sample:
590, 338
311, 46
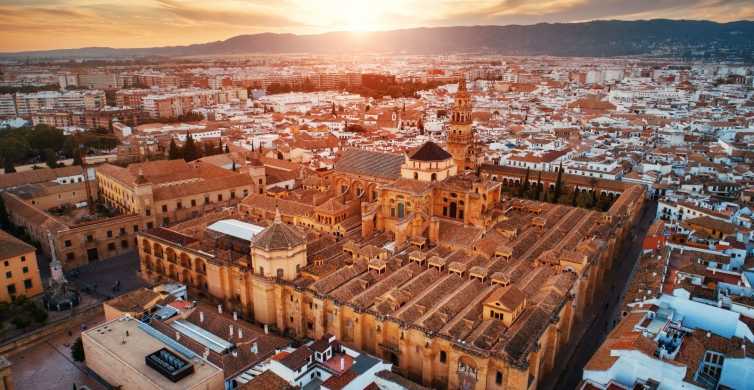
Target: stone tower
461, 135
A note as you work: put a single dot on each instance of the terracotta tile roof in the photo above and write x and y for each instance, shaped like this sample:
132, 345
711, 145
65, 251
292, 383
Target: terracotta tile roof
622, 337
37, 176
205, 185
267, 380
510, 297
410, 185
368, 163
172, 236
219, 325
712, 223
278, 236
268, 204
321, 344
296, 359
134, 301
11, 246
429, 151
340, 381
176, 178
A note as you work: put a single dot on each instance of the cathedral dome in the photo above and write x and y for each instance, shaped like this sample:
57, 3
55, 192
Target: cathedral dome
429, 151
278, 236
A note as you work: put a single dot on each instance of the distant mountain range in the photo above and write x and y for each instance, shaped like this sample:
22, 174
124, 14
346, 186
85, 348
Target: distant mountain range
661, 37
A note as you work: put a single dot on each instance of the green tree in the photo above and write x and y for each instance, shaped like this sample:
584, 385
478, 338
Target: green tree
174, 152
558, 184
211, 148
51, 158
77, 350
190, 150
565, 198
524, 189
4, 220
8, 165
603, 203
46, 137
77, 158
14, 146
538, 187
584, 200
575, 194
20, 322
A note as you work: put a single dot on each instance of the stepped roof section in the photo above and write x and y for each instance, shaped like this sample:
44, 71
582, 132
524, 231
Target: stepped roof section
368, 163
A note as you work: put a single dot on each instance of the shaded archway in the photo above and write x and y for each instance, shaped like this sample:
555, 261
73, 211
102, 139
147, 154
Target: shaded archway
185, 261
467, 373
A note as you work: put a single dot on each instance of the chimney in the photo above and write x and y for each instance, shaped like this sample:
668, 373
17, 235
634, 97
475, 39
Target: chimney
201, 317
254, 347
342, 363
234, 353
220, 309
266, 329
235, 316
240, 333
177, 336
230, 331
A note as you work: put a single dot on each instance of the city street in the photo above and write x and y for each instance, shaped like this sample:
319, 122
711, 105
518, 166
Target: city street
613, 291
48, 365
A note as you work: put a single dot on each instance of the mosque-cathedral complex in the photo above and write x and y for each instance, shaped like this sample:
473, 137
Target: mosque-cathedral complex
418, 258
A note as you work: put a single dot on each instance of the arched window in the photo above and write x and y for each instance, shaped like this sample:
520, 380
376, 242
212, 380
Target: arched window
261, 270
434, 177
280, 273
416, 175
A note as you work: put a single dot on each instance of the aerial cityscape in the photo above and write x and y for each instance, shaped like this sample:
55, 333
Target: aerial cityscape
389, 195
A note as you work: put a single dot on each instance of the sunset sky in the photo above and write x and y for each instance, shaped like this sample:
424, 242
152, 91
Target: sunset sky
53, 24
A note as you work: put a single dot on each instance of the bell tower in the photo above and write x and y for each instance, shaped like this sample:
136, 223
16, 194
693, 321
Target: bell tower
461, 134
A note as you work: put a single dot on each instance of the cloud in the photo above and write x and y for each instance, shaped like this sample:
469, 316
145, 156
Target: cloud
47, 24
248, 15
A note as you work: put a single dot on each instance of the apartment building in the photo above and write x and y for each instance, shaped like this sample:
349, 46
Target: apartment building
181, 102
28, 104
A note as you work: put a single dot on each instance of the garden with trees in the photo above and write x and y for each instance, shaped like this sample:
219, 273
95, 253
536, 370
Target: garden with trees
46, 145
373, 85
586, 197
192, 150
20, 314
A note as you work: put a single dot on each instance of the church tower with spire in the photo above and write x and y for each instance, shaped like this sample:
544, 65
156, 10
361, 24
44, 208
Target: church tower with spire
460, 142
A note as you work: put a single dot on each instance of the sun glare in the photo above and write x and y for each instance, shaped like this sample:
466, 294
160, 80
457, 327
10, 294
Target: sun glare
359, 17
